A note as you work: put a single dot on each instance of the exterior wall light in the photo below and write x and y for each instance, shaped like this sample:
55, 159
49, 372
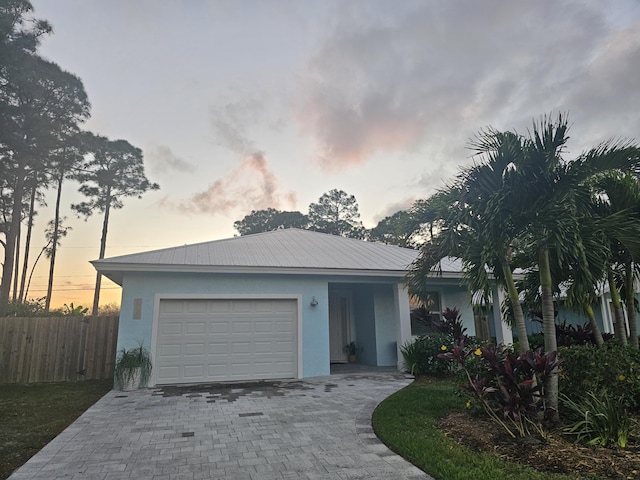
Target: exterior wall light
314, 302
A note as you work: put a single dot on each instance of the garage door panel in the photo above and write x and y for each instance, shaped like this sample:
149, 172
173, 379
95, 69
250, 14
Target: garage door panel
194, 349
194, 371
168, 372
241, 348
219, 306
171, 307
195, 328
282, 327
264, 306
285, 307
219, 348
171, 328
285, 347
243, 307
242, 326
263, 348
195, 307
170, 350
218, 327
218, 371
263, 327
228, 339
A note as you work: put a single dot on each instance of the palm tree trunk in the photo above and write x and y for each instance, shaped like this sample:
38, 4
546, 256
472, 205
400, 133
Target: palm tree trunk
594, 325
518, 315
550, 340
630, 301
618, 326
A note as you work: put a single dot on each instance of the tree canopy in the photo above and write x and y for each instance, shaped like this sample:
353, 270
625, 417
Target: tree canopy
40, 106
112, 171
336, 213
270, 219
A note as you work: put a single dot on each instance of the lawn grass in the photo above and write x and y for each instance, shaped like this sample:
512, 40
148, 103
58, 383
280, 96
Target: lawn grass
32, 415
406, 422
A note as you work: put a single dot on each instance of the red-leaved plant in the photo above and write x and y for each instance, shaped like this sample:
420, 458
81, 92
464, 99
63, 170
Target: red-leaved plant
510, 386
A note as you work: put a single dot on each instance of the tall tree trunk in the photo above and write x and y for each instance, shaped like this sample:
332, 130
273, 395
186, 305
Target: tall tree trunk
518, 315
103, 246
16, 262
630, 301
10, 238
550, 340
26, 290
27, 243
54, 245
618, 322
597, 335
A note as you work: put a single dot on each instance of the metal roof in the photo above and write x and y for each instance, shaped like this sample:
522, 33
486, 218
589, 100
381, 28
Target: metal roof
279, 251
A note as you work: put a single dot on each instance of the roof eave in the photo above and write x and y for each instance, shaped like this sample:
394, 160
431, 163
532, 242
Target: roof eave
115, 271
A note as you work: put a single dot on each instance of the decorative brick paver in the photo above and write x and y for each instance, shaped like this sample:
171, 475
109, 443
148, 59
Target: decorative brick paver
318, 428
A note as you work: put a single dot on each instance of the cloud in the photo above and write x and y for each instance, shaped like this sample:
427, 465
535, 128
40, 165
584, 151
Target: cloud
239, 117
163, 160
231, 120
425, 73
251, 186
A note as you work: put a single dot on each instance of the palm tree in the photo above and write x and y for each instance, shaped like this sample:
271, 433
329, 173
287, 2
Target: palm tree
619, 193
523, 189
473, 224
551, 197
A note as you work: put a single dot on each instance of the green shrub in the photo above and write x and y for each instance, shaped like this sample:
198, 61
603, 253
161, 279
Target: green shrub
536, 341
601, 419
421, 355
612, 369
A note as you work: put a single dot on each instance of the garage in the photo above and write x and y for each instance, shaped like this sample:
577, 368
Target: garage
258, 306
212, 340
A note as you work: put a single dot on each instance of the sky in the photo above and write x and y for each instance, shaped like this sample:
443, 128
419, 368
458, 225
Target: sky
241, 105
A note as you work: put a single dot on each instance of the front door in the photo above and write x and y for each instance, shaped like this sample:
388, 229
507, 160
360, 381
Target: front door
340, 333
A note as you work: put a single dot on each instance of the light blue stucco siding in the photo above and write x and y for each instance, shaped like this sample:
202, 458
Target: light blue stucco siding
385, 326
457, 296
314, 325
365, 331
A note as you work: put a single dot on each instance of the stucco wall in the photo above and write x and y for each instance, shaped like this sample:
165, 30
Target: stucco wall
365, 332
385, 326
456, 296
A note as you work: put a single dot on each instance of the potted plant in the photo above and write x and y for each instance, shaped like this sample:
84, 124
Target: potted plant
352, 351
133, 368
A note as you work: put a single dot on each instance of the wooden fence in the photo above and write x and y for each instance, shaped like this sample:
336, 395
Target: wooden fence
52, 349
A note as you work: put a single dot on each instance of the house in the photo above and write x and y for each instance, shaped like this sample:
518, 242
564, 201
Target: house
281, 304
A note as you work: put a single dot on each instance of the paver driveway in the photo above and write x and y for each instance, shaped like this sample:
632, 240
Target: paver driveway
313, 428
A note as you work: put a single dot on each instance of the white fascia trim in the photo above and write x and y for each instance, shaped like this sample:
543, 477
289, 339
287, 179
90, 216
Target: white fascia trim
128, 268
219, 296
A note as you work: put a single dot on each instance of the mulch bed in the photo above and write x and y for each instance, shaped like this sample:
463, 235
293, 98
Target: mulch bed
558, 454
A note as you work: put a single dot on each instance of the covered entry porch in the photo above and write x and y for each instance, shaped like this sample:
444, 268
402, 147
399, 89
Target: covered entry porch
373, 315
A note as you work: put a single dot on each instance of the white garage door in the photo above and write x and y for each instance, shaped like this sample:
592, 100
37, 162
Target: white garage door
221, 340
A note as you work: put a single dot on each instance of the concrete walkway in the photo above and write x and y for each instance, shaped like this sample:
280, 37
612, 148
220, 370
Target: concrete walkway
309, 429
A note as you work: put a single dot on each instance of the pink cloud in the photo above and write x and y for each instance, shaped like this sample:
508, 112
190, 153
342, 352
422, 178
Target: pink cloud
250, 186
